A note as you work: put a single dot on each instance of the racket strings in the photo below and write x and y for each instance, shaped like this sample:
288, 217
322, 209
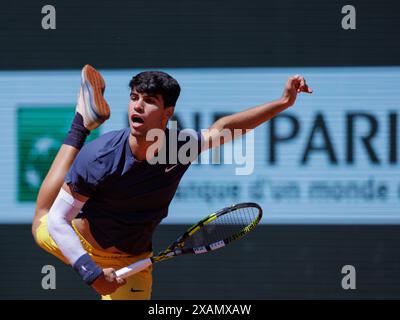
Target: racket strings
223, 227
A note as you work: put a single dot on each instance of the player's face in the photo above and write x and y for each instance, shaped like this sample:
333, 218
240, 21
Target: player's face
147, 112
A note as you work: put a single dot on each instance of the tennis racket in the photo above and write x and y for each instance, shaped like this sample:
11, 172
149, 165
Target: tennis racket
211, 233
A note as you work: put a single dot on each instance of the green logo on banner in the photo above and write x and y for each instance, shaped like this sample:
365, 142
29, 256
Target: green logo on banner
41, 131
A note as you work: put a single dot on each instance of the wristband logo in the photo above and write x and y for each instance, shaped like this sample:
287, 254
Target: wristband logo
40, 132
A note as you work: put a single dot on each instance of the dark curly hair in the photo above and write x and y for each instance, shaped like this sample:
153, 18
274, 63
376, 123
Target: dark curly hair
157, 82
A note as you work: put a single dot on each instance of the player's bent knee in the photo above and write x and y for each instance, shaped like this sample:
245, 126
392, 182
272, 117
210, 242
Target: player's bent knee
35, 226
40, 237
44, 240
41, 233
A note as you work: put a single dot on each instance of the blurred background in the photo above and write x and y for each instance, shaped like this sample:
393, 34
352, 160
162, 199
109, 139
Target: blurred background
326, 171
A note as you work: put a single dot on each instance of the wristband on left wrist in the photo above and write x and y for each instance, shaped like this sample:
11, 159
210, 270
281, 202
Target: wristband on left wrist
87, 269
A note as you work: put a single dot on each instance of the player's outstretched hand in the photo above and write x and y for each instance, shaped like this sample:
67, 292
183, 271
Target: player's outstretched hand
294, 85
108, 282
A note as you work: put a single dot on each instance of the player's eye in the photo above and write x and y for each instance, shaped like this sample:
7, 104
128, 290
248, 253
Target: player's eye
151, 101
134, 97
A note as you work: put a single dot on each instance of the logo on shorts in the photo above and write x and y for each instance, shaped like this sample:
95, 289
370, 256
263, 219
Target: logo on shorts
134, 290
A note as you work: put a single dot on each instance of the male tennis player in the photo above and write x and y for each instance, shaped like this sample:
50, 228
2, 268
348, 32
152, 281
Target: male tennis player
100, 203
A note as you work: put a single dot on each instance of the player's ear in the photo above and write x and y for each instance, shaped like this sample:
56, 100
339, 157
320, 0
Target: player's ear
169, 111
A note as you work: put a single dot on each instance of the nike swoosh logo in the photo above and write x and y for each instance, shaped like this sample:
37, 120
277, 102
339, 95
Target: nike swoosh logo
170, 168
133, 290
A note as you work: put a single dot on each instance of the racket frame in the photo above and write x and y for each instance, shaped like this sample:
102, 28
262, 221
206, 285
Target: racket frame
177, 247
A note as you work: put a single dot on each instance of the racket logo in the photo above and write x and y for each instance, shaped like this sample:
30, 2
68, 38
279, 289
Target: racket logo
199, 250
217, 245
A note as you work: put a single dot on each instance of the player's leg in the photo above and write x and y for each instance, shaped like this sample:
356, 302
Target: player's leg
91, 111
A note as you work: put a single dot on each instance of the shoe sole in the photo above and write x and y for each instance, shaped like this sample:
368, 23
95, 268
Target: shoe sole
94, 84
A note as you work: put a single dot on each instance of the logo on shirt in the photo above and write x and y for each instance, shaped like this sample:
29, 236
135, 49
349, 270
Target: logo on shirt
170, 168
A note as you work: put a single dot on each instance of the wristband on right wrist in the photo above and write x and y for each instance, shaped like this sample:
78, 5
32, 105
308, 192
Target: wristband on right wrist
87, 269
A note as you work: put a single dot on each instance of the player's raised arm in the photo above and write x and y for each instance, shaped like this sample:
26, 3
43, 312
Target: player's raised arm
64, 209
251, 118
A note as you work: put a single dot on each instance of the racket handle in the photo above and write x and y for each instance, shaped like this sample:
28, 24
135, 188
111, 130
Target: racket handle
134, 268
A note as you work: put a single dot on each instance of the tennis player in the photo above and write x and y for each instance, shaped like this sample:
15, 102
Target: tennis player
101, 202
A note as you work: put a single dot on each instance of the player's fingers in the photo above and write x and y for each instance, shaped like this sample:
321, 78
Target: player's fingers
303, 87
301, 84
293, 79
307, 89
109, 274
294, 83
121, 281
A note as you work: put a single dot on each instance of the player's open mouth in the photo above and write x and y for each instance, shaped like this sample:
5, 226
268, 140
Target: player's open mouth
136, 120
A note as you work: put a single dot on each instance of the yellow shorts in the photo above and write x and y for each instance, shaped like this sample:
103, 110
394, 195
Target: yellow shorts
138, 286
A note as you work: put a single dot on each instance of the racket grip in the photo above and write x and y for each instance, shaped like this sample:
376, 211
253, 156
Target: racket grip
134, 268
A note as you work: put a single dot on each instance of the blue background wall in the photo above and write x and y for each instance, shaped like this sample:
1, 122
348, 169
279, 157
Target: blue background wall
308, 165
